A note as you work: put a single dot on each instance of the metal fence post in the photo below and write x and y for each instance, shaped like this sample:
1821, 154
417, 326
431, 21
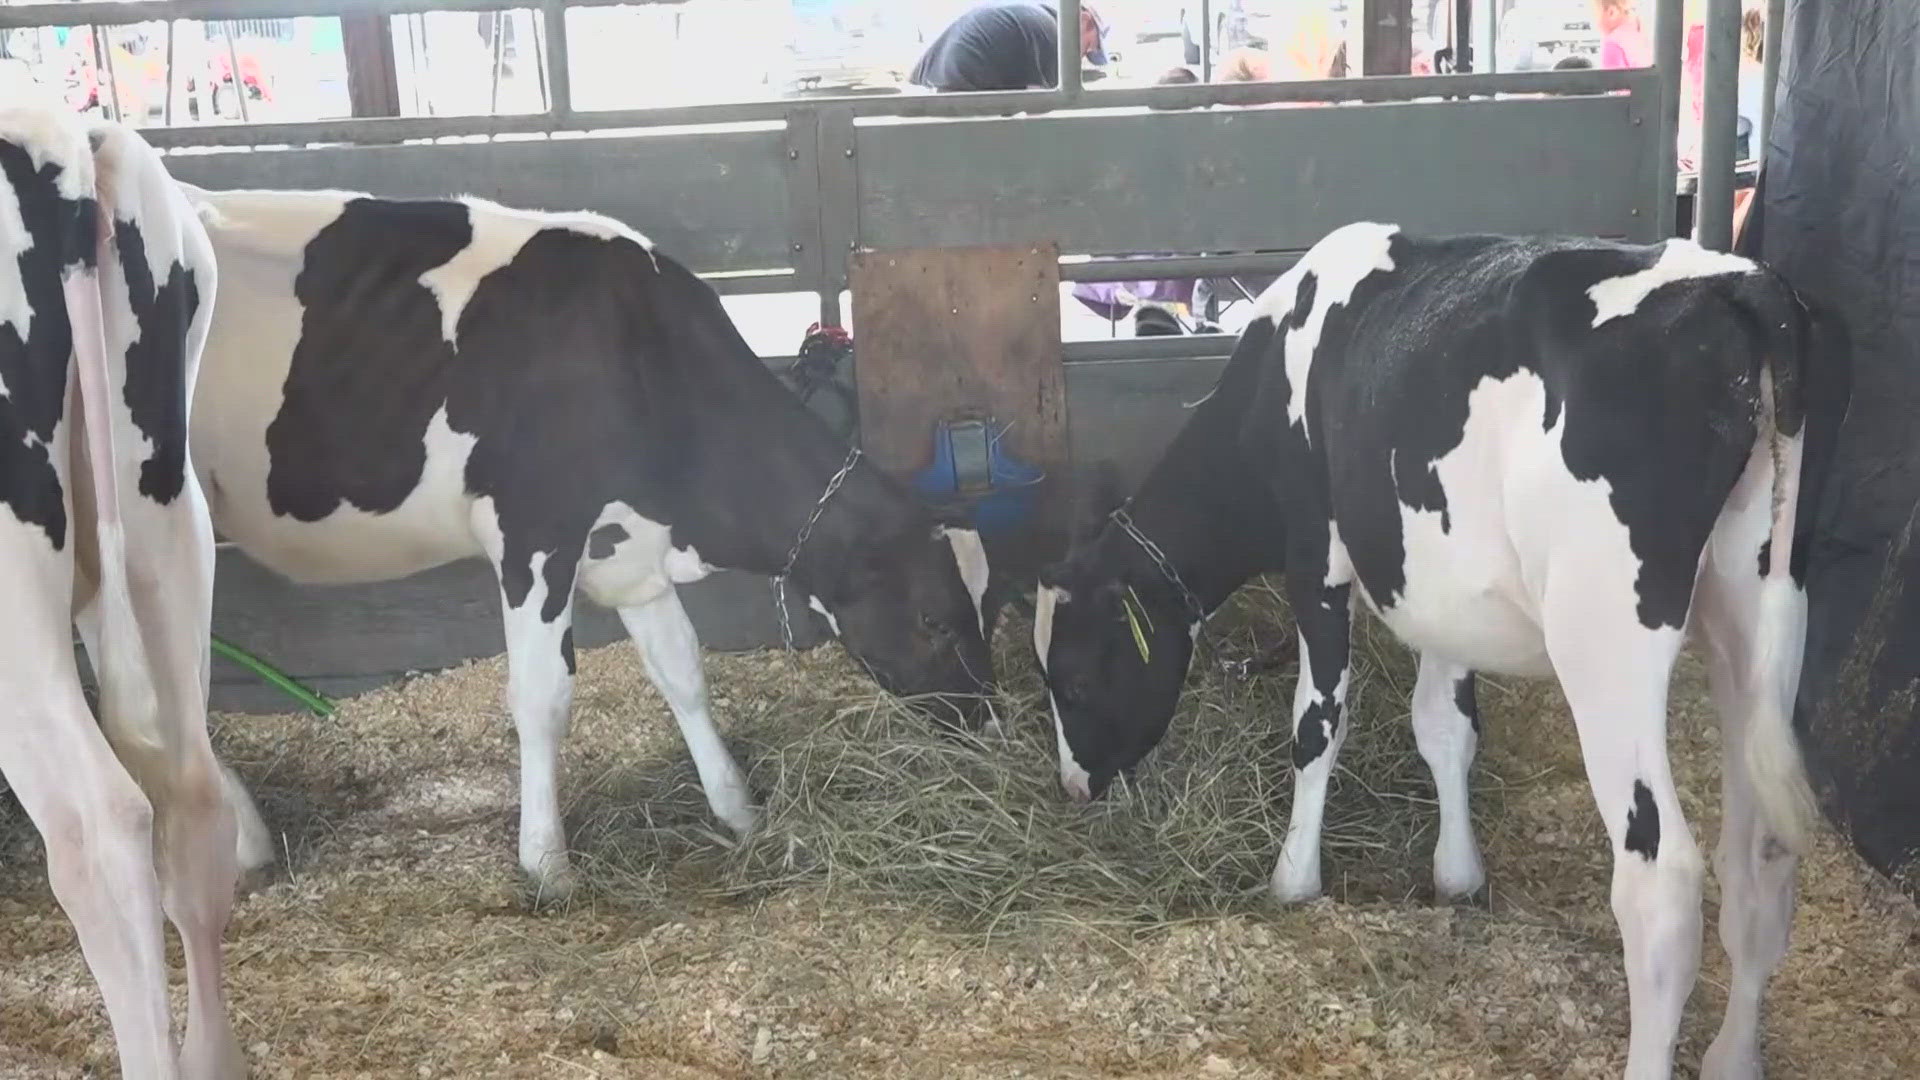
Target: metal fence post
1769, 73
1668, 36
1713, 207
559, 74
1069, 50
1206, 41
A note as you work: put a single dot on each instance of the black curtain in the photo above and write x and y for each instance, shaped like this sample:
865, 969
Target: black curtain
1838, 211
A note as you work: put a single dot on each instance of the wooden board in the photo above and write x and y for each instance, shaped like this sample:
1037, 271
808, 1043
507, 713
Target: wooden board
968, 332
943, 332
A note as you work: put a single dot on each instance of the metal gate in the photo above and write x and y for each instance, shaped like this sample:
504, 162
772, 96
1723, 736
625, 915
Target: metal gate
776, 195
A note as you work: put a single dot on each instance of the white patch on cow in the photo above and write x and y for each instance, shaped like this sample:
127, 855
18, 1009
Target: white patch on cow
1339, 262
1043, 604
685, 566
832, 623
50, 137
499, 232
971, 557
1076, 780
1475, 594
584, 222
643, 567
495, 242
149, 199
1679, 261
273, 224
15, 309
1339, 564
1073, 778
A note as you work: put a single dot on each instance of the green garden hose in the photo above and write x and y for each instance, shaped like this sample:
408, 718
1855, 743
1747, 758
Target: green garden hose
318, 703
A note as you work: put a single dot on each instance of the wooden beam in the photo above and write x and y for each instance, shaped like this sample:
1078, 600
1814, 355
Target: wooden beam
373, 83
1386, 37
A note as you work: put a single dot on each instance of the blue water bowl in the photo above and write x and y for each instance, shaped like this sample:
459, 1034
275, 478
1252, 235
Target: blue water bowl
971, 466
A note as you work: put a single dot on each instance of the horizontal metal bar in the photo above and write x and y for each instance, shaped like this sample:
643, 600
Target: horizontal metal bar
1375, 90
756, 284
1179, 266
1173, 347
121, 12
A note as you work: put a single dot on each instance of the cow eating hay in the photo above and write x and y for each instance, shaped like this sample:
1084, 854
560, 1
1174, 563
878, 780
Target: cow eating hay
396, 384
1526, 456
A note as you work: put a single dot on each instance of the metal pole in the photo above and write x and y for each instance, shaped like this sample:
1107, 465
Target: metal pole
560, 94
1069, 49
1668, 35
537, 27
103, 73
239, 81
1492, 59
1206, 41
1769, 73
166, 112
1713, 207
499, 60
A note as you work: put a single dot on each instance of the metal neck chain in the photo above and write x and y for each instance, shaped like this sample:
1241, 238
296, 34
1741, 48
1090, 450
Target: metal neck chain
800, 540
1125, 521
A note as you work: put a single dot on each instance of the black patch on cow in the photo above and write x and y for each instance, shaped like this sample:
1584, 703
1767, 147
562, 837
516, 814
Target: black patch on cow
1310, 735
1643, 824
1324, 622
156, 382
35, 368
1467, 701
566, 648
588, 370
1395, 366
602, 542
353, 433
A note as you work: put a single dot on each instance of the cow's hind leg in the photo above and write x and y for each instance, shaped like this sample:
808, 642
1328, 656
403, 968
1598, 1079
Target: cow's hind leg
1446, 725
98, 828
196, 846
671, 653
1615, 673
1322, 607
1756, 867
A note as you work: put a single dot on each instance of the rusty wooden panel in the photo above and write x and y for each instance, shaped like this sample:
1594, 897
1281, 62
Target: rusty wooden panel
946, 332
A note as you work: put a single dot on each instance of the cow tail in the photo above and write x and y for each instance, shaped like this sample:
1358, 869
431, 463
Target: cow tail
129, 705
1773, 762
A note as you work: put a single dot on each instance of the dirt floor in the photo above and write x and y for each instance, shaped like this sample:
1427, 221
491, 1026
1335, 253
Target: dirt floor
395, 941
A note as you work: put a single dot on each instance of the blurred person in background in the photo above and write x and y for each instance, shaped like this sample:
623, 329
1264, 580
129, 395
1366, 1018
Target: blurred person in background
1005, 45
1623, 35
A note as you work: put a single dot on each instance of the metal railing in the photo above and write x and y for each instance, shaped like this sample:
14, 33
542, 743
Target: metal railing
1070, 96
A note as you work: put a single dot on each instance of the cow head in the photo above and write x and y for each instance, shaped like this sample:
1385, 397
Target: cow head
1113, 639
911, 610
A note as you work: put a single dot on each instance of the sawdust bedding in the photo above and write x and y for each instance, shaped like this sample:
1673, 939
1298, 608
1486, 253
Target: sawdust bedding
918, 906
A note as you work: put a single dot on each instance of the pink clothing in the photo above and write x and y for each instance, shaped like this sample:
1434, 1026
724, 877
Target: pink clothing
1626, 46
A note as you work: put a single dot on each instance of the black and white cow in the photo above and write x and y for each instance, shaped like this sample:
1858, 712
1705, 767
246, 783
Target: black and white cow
106, 288
396, 384
1527, 456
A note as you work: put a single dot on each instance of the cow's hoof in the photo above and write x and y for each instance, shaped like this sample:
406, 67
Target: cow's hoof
553, 886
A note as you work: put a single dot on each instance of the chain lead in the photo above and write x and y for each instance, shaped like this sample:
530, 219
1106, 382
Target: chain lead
1160, 560
800, 540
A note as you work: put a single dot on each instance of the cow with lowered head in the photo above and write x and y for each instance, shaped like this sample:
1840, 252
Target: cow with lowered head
1533, 456
395, 384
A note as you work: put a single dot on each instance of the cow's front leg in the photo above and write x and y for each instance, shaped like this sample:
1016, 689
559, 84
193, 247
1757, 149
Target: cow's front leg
1321, 592
536, 603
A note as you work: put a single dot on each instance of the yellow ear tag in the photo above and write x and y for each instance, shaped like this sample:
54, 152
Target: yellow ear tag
1136, 611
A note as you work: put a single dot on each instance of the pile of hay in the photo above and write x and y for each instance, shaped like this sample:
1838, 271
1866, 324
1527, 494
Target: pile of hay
861, 794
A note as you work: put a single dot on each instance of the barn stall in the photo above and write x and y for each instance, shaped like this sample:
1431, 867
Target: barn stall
916, 905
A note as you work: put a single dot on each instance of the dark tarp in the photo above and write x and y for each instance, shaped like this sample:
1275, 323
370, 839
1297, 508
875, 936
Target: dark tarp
1838, 211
